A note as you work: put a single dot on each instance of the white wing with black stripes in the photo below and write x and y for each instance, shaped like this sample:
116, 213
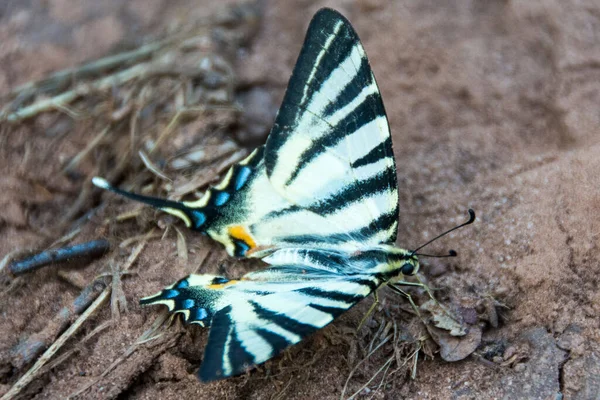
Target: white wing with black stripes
326, 176
256, 317
330, 148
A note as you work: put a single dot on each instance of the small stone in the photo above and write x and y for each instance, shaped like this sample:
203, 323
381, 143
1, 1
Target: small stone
258, 115
469, 315
509, 352
572, 340
520, 367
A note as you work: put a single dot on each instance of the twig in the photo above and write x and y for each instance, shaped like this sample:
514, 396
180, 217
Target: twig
66, 238
77, 347
95, 248
7, 259
127, 242
29, 350
182, 249
82, 154
203, 154
385, 366
81, 90
167, 131
152, 167
147, 336
97, 67
33, 372
77, 206
279, 395
360, 363
205, 179
118, 301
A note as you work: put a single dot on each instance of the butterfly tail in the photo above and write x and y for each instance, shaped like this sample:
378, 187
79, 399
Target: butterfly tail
194, 218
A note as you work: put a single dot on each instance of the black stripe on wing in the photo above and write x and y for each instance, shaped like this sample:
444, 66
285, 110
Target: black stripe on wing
357, 191
214, 352
331, 295
329, 40
333, 311
261, 333
226, 355
283, 321
361, 79
331, 95
369, 109
382, 223
375, 154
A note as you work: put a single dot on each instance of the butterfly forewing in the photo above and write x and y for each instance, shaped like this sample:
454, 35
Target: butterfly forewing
330, 149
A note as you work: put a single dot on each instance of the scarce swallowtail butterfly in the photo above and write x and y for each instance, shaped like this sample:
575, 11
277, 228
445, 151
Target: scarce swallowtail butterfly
318, 203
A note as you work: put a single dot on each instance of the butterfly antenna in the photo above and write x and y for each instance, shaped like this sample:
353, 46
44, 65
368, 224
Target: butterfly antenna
451, 253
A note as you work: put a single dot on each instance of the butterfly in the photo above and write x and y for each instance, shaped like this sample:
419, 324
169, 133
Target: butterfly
318, 203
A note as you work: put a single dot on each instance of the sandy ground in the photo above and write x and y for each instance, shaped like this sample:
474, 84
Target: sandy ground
493, 105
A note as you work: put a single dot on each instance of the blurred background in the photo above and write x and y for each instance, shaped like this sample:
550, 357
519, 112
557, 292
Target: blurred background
493, 105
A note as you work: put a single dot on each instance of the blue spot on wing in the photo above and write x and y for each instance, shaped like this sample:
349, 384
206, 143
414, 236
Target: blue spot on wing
199, 218
170, 293
221, 198
240, 248
242, 177
188, 303
182, 284
199, 314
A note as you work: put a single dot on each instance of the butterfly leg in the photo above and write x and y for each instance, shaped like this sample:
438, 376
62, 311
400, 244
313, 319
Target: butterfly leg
401, 292
370, 311
418, 284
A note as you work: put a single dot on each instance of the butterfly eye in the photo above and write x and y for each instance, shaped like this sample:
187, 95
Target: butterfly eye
407, 269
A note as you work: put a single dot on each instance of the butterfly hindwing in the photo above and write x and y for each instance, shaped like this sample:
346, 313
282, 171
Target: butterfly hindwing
251, 331
256, 317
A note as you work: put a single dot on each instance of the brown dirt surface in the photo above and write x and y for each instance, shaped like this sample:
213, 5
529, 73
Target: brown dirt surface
493, 105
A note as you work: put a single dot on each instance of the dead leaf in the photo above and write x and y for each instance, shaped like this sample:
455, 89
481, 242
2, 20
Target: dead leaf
454, 348
442, 318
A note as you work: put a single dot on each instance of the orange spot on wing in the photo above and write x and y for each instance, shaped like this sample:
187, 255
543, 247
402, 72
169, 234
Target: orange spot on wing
240, 233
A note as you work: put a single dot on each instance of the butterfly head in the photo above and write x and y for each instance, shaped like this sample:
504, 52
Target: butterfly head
406, 262
410, 267
403, 263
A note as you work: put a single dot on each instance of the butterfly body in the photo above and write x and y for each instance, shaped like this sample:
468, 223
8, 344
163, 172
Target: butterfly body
318, 203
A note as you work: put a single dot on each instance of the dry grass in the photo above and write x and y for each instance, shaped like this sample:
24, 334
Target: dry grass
139, 103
